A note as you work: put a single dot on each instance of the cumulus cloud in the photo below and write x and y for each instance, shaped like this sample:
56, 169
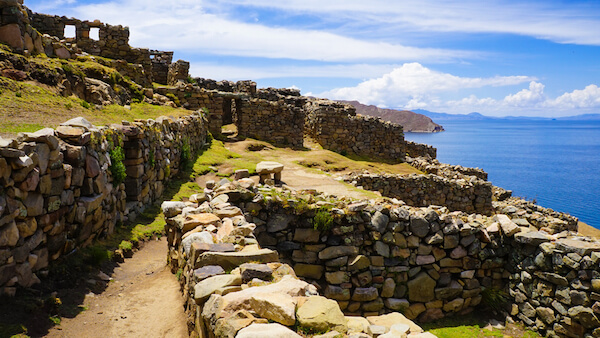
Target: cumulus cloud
527, 97
414, 83
589, 97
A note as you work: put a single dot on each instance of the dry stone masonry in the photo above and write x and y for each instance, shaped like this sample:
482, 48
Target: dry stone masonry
235, 288
59, 191
337, 127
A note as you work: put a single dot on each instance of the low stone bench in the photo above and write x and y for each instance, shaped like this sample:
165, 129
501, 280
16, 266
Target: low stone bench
266, 168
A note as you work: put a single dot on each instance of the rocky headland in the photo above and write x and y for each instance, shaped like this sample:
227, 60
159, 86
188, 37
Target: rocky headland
410, 121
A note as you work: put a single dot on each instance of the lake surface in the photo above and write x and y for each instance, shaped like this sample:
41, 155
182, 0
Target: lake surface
557, 163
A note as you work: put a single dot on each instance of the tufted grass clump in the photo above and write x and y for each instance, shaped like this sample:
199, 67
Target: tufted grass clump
322, 220
117, 168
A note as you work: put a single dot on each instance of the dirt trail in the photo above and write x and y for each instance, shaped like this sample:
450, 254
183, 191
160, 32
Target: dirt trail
142, 300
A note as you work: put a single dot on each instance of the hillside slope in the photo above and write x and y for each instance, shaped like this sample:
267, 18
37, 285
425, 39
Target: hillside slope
412, 122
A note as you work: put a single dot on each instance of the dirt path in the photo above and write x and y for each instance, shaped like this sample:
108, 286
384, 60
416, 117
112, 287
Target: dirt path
299, 177
142, 300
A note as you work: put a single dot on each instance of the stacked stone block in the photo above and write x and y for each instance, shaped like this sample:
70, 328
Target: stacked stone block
471, 195
233, 288
335, 126
414, 149
57, 190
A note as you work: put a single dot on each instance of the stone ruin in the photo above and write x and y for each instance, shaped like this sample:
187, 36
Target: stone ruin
402, 255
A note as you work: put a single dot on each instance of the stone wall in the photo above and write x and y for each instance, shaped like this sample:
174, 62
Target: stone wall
113, 42
58, 191
279, 122
432, 166
16, 30
335, 126
234, 288
554, 286
470, 195
160, 65
420, 150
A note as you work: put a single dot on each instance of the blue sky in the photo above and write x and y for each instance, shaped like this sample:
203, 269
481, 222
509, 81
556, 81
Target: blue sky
494, 57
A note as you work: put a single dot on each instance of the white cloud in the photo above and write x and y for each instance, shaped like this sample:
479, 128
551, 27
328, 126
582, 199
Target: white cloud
257, 72
415, 83
186, 26
589, 97
527, 97
562, 23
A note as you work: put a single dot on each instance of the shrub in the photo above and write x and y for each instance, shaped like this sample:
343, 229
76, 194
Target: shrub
117, 168
322, 220
126, 246
151, 159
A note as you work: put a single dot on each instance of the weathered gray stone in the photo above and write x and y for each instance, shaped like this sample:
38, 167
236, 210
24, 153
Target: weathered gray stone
277, 307
365, 294
321, 314
380, 221
358, 263
585, 316
421, 288
205, 288
419, 226
278, 222
508, 227
338, 251
250, 271
231, 260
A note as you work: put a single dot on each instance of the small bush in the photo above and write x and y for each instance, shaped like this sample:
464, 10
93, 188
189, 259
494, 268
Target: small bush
117, 168
68, 105
322, 220
95, 255
126, 246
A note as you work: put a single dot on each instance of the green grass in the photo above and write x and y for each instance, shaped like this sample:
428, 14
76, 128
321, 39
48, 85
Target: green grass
217, 155
472, 326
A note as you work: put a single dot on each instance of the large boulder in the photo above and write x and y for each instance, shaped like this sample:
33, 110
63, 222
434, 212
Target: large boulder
322, 314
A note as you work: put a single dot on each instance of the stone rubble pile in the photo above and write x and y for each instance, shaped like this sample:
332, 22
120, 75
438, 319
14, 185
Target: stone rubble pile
235, 288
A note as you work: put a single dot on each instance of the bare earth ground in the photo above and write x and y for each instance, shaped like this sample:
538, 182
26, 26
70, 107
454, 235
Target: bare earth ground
142, 300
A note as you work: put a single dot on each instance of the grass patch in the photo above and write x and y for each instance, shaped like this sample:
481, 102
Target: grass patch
217, 155
49, 109
474, 325
332, 162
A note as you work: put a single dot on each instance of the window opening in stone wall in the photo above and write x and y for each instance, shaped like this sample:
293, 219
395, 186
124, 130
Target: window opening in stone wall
70, 31
95, 33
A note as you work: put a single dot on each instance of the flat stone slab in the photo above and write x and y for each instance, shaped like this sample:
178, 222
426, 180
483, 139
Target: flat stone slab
579, 247
268, 167
231, 260
207, 287
532, 238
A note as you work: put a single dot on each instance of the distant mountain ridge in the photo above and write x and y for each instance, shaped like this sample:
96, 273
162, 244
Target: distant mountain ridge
410, 121
478, 116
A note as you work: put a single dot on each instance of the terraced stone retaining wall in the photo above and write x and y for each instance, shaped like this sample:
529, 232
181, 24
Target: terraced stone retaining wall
58, 189
468, 194
335, 126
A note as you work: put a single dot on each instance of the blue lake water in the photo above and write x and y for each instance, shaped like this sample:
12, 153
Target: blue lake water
555, 162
